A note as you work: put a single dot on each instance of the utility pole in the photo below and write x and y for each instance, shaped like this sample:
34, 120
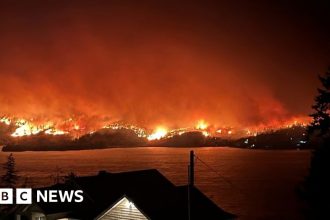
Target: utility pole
192, 169
191, 180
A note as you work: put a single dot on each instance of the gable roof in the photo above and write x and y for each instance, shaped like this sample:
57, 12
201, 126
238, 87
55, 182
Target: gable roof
152, 193
124, 208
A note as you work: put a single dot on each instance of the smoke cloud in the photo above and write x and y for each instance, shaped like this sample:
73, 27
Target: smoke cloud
160, 62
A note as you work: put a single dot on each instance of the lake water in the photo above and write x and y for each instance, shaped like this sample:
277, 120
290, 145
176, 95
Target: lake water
263, 180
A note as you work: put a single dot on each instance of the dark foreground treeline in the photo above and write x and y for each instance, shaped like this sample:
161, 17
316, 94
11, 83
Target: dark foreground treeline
289, 138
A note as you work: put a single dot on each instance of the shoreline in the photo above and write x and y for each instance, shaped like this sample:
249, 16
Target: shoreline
179, 147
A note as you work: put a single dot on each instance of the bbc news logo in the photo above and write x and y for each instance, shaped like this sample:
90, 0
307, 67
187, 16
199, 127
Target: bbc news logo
24, 196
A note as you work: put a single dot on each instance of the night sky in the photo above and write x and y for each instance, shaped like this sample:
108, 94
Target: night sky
232, 63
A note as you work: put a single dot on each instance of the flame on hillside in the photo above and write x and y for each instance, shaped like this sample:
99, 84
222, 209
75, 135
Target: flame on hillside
159, 133
77, 127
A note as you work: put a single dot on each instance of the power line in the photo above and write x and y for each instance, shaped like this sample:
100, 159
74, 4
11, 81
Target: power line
220, 175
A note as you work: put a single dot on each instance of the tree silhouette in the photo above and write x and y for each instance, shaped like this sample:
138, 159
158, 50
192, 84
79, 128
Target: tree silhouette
321, 118
57, 176
317, 185
10, 177
70, 177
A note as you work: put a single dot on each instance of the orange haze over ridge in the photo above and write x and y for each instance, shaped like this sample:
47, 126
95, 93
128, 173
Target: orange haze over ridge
159, 63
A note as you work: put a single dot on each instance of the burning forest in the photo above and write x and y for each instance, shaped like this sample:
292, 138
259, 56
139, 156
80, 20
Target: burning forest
71, 134
152, 70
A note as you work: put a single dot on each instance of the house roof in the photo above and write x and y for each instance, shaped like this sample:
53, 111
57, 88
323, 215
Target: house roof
149, 190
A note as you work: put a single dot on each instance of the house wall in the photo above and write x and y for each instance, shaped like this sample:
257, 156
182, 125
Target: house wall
29, 212
57, 216
124, 210
35, 215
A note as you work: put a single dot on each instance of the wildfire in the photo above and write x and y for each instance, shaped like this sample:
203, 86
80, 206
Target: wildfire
55, 132
201, 125
159, 133
26, 128
5, 120
76, 127
205, 133
140, 132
